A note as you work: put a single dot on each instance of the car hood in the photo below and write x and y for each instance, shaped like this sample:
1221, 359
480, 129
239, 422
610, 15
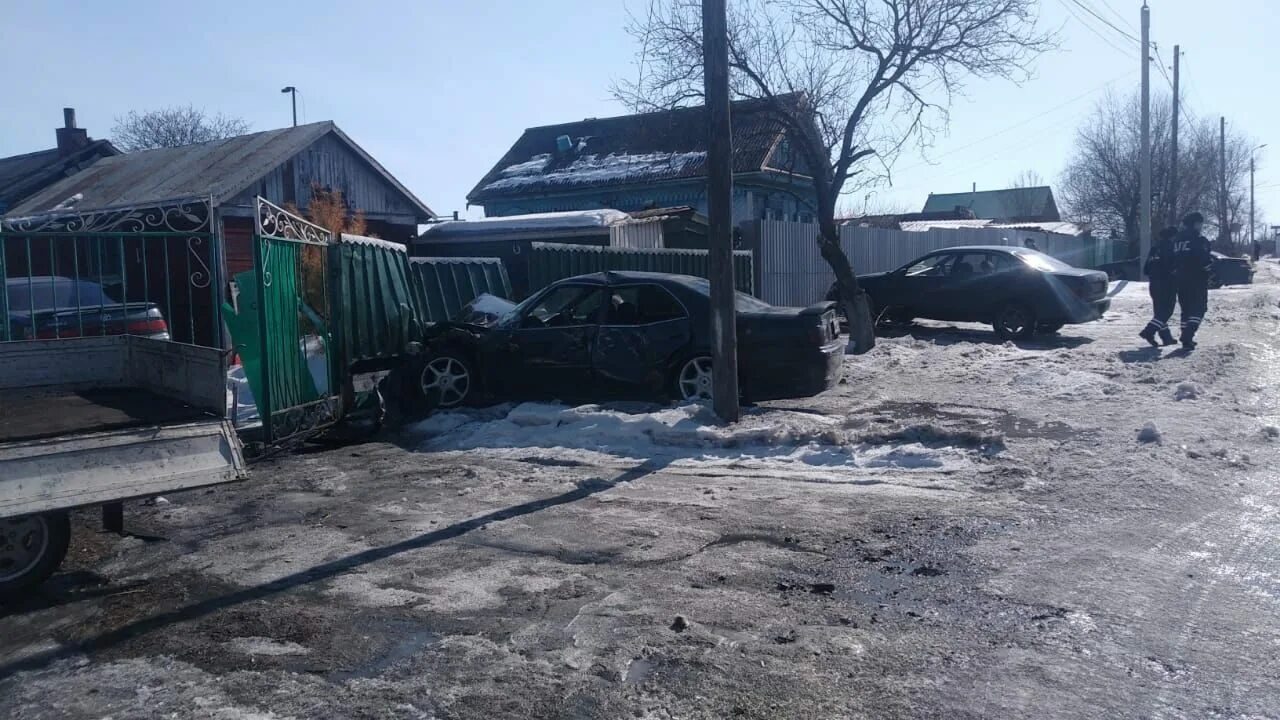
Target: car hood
485, 311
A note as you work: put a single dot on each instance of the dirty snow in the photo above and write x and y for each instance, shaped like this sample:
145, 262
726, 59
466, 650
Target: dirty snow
691, 435
593, 169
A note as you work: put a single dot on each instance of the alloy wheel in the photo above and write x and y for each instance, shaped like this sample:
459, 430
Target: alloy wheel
449, 379
23, 542
694, 381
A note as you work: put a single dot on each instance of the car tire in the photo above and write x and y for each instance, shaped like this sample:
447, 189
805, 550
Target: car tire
31, 549
1049, 328
447, 381
1014, 322
691, 379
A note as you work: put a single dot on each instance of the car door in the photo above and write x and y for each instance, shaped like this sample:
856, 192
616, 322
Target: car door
645, 327
547, 354
973, 279
918, 285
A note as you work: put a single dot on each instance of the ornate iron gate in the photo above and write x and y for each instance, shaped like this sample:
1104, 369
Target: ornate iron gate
298, 391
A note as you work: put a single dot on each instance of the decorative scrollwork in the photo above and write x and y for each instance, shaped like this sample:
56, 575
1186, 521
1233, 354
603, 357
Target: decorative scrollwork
304, 420
275, 221
180, 216
200, 277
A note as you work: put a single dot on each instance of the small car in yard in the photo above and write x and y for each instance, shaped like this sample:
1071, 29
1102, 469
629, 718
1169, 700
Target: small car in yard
61, 307
624, 334
1018, 291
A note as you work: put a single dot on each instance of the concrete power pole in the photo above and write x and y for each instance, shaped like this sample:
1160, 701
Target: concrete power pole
724, 327
1173, 160
1144, 167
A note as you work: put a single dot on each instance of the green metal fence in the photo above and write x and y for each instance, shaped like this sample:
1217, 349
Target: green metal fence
550, 262
444, 285
151, 271
373, 295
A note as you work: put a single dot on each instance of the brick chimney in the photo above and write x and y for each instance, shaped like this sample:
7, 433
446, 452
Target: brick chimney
70, 137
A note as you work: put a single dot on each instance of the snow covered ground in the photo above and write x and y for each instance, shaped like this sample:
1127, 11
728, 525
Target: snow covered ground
1073, 527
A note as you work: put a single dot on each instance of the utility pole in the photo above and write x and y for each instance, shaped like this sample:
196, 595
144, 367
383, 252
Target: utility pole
293, 91
1224, 223
1173, 161
1144, 167
724, 325
1252, 155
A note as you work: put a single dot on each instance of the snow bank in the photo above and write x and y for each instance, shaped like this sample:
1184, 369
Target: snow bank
571, 220
595, 169
686, 434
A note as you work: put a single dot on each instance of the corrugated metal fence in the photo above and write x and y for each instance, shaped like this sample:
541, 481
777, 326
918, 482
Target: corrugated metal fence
445, 285
554, 261
792, 272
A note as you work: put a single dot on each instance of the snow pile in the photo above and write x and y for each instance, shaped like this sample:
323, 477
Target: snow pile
1187, 391
595, 169
691, 434
1150, 434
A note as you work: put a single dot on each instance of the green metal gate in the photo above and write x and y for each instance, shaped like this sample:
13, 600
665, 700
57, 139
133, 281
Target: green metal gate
298, 390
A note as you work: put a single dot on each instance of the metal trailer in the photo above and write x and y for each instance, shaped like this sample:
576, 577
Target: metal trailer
89, 414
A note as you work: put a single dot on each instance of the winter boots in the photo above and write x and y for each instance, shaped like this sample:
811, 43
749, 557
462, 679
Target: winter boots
1149, 334
1166, 337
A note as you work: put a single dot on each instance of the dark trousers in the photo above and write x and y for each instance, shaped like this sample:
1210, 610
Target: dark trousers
1193, 297
1164, 294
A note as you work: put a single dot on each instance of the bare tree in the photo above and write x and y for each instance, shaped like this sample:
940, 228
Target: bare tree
875, 75
1100, 186
173, 127
1024, 204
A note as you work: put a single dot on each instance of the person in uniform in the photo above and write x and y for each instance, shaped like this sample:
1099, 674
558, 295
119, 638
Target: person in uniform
1163, 288
1192, 263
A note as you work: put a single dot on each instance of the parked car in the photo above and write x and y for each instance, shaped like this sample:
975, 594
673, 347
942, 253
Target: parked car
1130, 269
1018, 291
1227, 270
625, 334
61, 307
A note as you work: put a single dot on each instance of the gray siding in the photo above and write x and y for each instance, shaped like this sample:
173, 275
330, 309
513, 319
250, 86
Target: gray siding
330, 163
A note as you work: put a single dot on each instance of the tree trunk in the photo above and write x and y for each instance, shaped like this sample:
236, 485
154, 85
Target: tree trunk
857, 307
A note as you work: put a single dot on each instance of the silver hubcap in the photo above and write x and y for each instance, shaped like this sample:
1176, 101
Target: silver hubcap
695, 379
23, 541
448, 379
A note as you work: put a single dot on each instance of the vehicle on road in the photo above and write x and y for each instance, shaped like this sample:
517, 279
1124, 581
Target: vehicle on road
45, 307
625, 334
1018, 291
1227, 270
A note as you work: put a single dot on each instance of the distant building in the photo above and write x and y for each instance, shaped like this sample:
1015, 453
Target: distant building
1012, 205
650, 160
22, 176
279, 165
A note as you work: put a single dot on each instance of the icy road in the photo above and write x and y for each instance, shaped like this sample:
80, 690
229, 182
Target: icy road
1074, 528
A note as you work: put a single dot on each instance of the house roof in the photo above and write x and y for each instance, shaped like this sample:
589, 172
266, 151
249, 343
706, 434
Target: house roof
628, 149
995, 204
220, 169
23, 175
564, 223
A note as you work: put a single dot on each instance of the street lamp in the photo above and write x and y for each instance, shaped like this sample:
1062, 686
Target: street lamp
294, 92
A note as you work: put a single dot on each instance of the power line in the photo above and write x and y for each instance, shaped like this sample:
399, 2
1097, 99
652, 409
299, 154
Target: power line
1117, 14
1105, 21
1160, 65
1093, 29
1021, 123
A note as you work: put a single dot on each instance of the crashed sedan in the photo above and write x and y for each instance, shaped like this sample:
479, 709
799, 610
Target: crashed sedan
624, 335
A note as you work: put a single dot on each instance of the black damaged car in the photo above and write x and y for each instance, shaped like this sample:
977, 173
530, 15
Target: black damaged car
1020, 292
624, 335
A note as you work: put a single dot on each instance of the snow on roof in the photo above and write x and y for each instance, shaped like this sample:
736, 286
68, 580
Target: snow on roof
596, 169
1060, 228
927, 225
537, 222
372, 242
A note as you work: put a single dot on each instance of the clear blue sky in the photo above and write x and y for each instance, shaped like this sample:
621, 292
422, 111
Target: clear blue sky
437, 90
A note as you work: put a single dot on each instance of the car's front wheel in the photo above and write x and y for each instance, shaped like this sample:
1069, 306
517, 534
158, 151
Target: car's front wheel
447, 381
692, 380
1014, 322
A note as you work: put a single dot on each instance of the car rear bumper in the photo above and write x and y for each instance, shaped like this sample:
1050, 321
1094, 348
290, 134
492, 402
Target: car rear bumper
795, 373
1083, 311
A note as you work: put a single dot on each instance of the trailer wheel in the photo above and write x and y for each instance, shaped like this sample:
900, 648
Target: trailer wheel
31, 549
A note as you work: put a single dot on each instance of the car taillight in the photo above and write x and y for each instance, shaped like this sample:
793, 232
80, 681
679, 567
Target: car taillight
150, 326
